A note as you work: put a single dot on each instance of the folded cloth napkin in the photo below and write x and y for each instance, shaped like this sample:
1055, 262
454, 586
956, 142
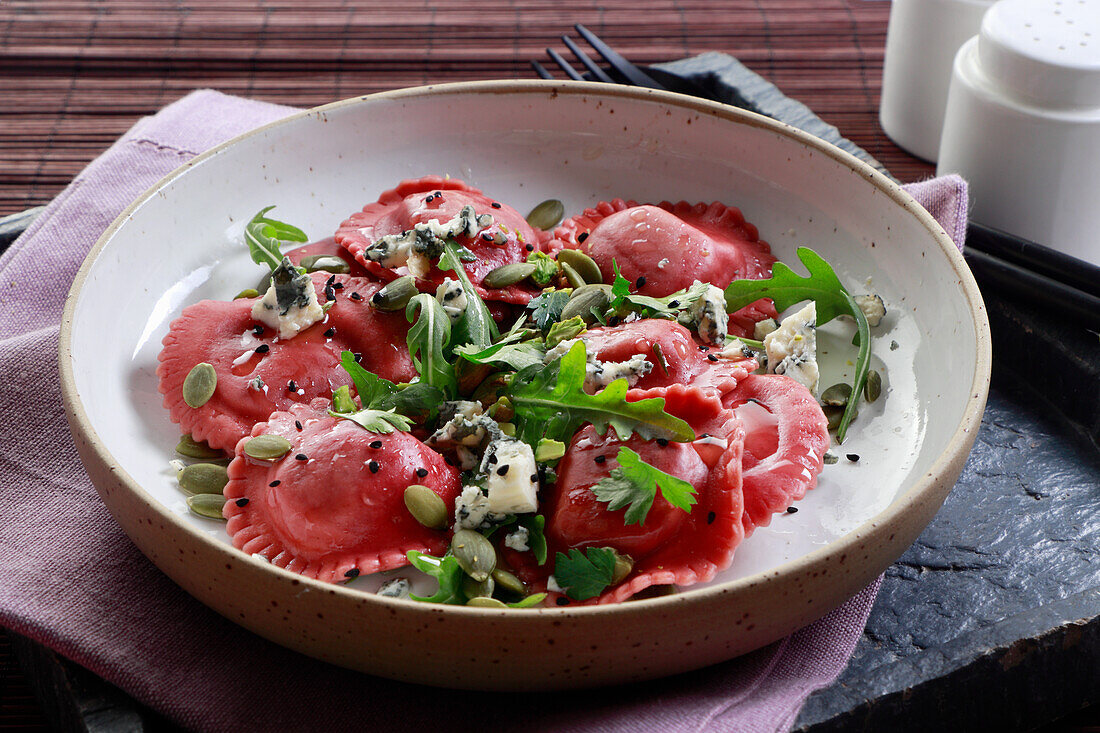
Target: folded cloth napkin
74, 582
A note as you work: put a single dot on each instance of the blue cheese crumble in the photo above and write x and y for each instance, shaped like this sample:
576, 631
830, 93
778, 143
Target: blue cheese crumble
290, 303
518, 540
708, 315
453, 299
416, 248
792, 348
598, 374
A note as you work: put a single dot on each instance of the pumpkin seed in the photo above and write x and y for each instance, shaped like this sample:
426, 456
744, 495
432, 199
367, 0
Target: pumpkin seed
474, 589
623, 565
509, 582
572, 275
482, 602
872, 388
547, 214
203, 478
474, 553
247, 293
582, 264
508, 429
833, 415
192, 448
199, 385
207, 505
584, 299
491, 388
470, 375
509, 274
325, 263
264, 284
267, 447
395, 295
502, 410
426, 506
837, 395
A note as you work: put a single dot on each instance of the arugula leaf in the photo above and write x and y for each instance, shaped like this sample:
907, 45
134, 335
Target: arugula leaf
547, 308
376, 421
417, 401
536, 537
264, 236
585, 576
447, 573
427, 338
505, 352
635, 483
370, 387
476, 325
550, 402
824, 288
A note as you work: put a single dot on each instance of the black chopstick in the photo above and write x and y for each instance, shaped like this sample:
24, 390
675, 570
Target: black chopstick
1066, 269
1013, 282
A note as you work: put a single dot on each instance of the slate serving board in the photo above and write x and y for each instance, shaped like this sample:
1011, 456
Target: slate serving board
991, 619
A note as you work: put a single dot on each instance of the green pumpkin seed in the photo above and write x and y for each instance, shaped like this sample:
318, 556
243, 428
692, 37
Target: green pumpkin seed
267, 447
581, 264
395, 295
192, 448
426, 506
342, 401
502, 410
509, 582
547, 214
508, 429
207, 505
833, 415
509, 274
474, 553
264, 284
623, 565
575, 279
584, 299
325, 263
549, 449
470, 375
474, 589
830, 458
203, 478
247, 293
482, 602
199, 385
872, 388
837, 395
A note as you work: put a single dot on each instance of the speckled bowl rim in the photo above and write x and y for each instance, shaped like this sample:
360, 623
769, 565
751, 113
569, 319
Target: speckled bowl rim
924, 490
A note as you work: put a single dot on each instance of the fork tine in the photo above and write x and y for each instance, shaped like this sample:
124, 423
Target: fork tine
541, 70
564, 65
589, 64
632, 73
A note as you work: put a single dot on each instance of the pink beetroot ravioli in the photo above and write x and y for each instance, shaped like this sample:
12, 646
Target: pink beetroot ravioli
432, 197
333, 506
223, 334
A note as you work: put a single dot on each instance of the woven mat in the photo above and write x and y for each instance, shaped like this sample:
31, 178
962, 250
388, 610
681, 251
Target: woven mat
75, 75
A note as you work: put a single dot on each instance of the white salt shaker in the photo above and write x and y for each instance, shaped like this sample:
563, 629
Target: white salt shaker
1022, 123
921, 42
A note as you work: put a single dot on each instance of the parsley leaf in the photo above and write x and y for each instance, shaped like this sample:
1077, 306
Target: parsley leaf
476, 326
427, 338
264, 237
416, 401
585, 576
370, 387
550, 402
824, 288
635, 483
447, 573
547, 308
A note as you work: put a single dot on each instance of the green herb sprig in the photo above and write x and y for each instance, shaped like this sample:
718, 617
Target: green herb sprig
634, 484
476, 326
427, 339
585, 575
264, 237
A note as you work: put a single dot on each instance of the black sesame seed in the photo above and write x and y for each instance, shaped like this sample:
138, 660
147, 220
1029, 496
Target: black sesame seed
298, 424
853, 457
330, 294
704, 348
600, 459
448, 460
356, 296
792, 510
376, 298
492, 458
529, 247
583, 236
292, 386
373, 466
439, 194
338, 286
263, 349
376, 444
243, 501
673, 303
495, 205
640, 282
711, 516
358, 357
662, 442
534, 478
330, 333
353, 573
562, 601
431, 198
301, 457
503, 470
274, 483
704, 435
258, 331
421, 472
712, 357
613, 321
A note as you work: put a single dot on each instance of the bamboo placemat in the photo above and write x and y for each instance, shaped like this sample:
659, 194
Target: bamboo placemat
75, 75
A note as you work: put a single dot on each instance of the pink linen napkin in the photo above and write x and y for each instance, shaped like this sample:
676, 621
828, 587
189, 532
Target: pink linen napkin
73, 581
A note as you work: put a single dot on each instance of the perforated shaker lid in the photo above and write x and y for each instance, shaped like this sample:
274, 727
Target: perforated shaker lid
1046, 51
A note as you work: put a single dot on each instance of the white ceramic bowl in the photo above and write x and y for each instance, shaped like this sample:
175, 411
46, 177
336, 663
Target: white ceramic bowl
523, 142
